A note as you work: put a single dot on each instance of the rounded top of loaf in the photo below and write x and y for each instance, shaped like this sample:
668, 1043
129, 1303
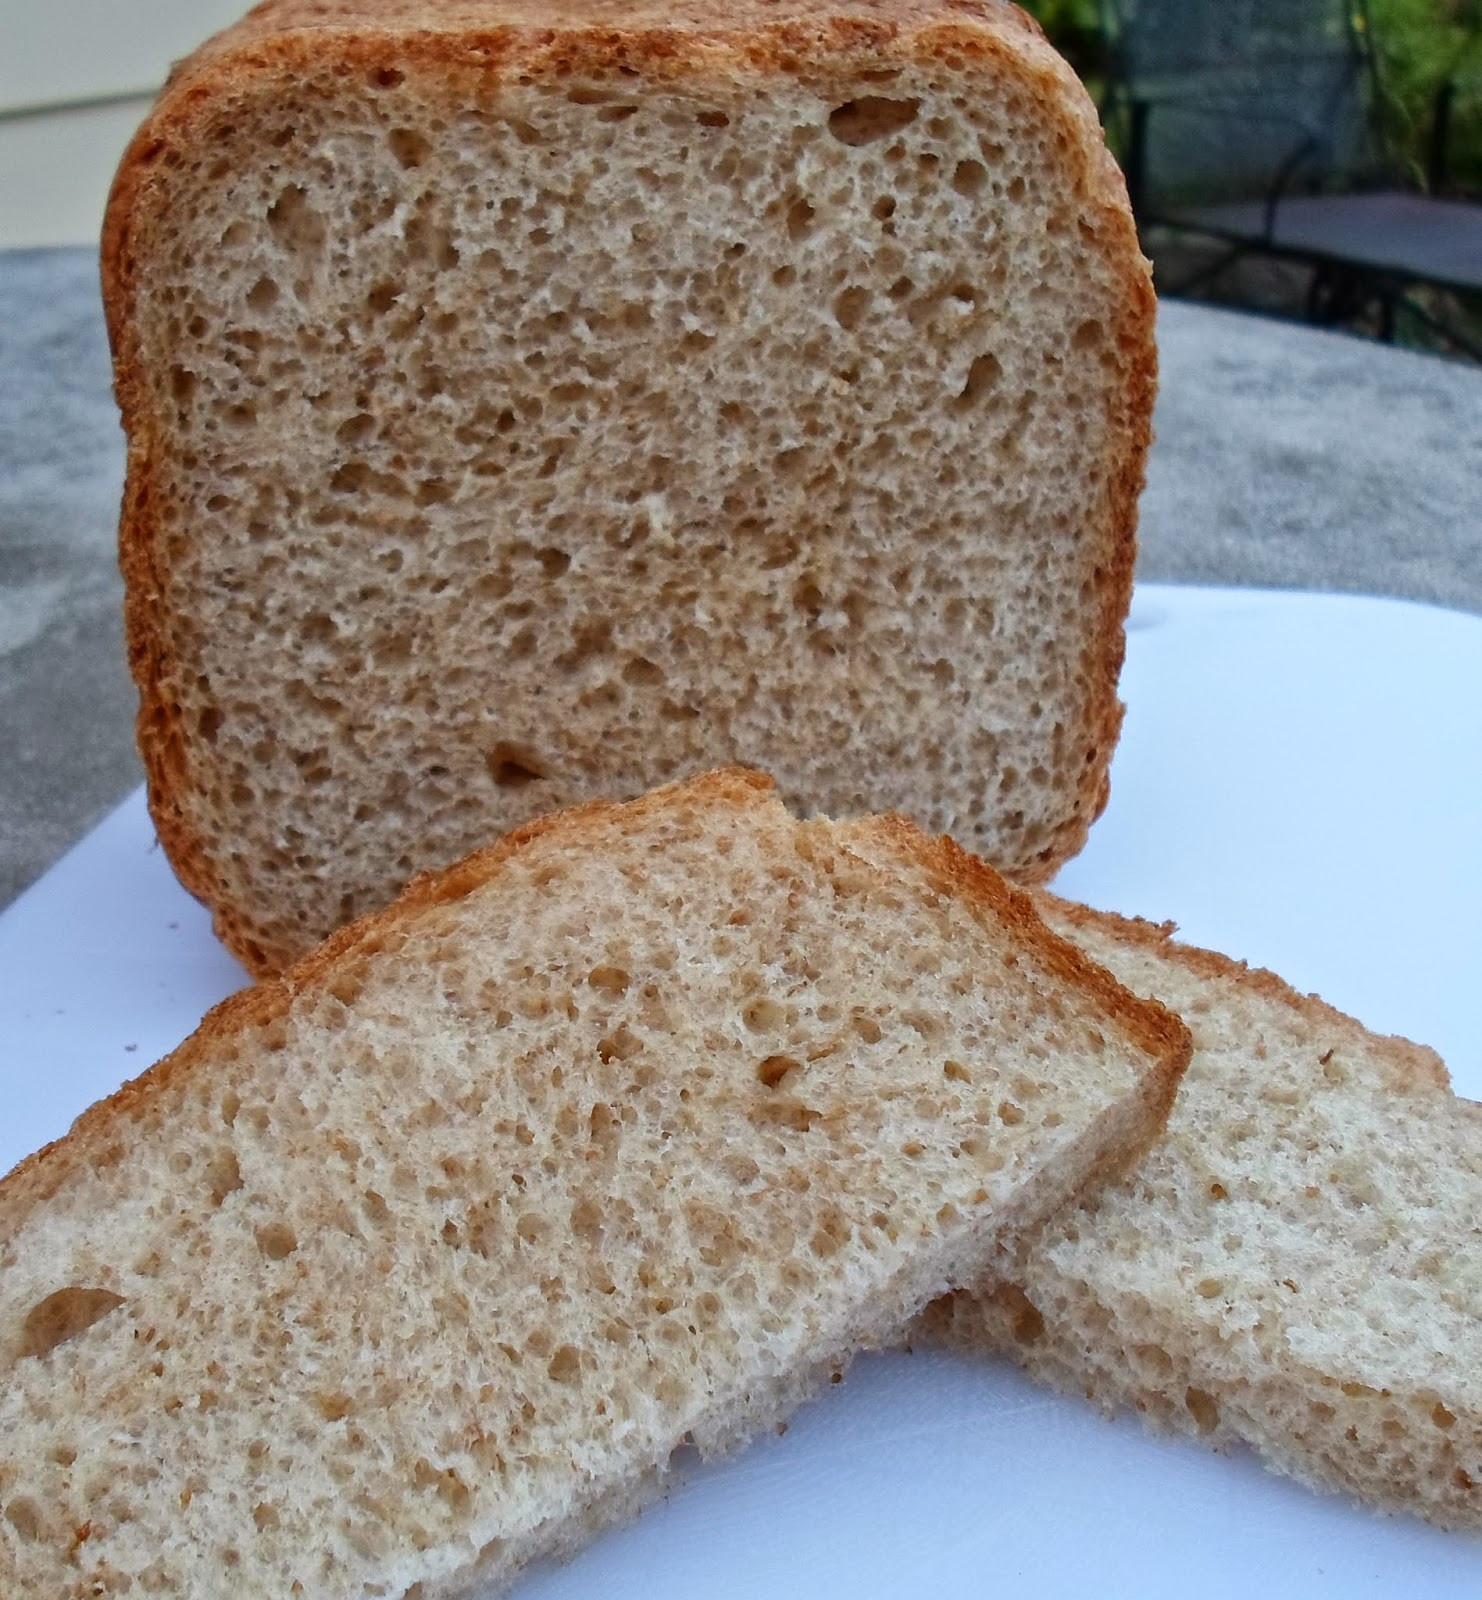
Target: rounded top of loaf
866, 364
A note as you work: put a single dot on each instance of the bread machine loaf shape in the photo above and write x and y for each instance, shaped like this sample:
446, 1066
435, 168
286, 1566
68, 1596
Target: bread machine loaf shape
528, 403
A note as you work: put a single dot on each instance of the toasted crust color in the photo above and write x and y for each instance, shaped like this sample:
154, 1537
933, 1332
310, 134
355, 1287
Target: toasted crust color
1157, 1029
495, 43
1411, 1062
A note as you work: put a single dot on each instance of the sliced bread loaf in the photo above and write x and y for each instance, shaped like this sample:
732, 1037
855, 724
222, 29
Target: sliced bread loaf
534, 403
1296, 1265
422, 1259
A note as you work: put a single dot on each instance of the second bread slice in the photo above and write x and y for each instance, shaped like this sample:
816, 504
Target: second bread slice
1294, 1266
421, 1261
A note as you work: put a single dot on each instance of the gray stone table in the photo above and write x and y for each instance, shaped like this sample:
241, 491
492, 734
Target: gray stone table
1285, 457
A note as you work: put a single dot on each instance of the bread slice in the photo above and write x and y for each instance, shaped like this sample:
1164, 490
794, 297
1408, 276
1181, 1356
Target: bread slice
530, 404
422, 1259
1295, 1266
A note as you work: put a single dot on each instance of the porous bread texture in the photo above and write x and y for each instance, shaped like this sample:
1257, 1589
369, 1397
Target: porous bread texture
1295, 1266
532, 404
421, 1261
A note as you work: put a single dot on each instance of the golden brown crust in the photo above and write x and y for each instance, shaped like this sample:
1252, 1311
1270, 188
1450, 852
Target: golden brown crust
1152, 1025
1410, 1061
489, 39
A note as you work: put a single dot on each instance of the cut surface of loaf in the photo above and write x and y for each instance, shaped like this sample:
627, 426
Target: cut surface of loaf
421, 1260
530, 404
1296, 1265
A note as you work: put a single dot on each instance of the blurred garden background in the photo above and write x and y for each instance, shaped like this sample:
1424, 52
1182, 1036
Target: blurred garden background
1293, 89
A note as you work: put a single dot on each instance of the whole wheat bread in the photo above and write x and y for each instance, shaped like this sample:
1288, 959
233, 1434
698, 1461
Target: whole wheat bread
531, 403
1296, 1265
422, 1259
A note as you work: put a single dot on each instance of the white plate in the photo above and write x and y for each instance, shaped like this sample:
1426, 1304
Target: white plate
1299, 783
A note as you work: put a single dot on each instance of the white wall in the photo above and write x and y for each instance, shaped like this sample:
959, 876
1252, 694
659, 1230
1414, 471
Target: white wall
57, 158
78, 49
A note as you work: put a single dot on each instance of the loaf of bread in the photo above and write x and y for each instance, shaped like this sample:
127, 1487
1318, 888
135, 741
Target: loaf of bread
422, 1259
1295, 1266
534, 403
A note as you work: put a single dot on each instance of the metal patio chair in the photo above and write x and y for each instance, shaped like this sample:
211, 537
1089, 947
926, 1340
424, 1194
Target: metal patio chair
1254, 123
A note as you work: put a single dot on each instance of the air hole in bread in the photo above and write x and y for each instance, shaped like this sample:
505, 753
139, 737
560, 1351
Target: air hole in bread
381, 297
713, 119
277, 1241
643, 672
223, 1175
356, 429
799, 219
968, 177
832, 1234
565, 1365
763, 1014
387, 78
532, 1228
514, 766
409, 147
869, 118
295, 224
1203, 1408
982, 378
27, 1518
620, 1045
63, 1315
808, 597
923, 1022
850, 307
1028, 1322
774, 1069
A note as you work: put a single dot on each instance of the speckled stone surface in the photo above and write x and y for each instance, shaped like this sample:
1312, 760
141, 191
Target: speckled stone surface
1291, 458
66, 702
1285, 457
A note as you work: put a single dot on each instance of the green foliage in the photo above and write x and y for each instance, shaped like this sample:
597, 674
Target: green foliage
1420, 46
1074, 27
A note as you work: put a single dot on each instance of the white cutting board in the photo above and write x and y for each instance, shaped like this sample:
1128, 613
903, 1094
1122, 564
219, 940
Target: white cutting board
1299, 783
